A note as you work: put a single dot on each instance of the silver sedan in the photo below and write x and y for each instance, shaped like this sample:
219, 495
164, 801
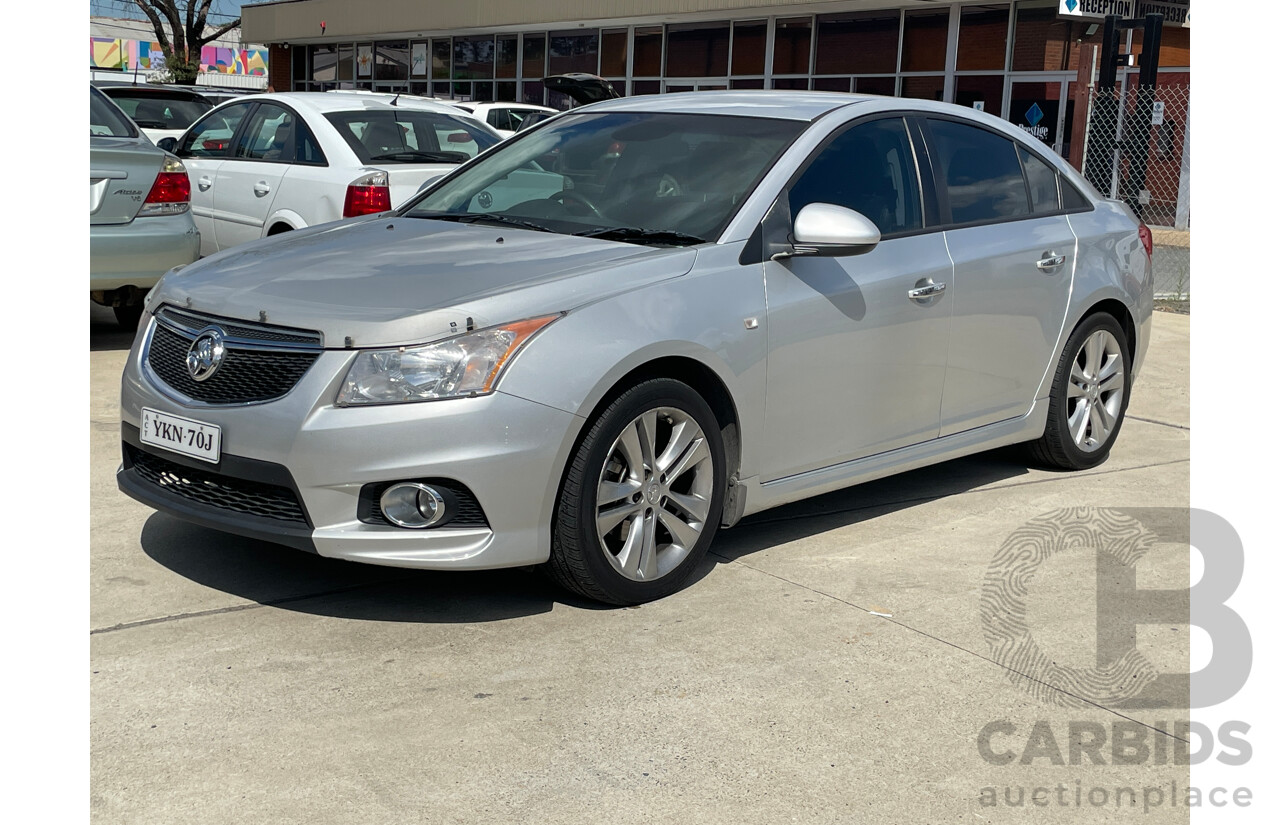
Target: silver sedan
601, 341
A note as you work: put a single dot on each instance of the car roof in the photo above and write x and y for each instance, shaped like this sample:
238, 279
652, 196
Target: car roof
787, 105
323, 102
114, 89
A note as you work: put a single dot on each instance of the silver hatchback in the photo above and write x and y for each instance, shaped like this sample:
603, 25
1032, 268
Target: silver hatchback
599, 342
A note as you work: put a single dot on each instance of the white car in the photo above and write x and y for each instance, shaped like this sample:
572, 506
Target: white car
275, 162
505, 118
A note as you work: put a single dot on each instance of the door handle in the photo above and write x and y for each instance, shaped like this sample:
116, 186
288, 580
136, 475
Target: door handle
1050, 261
204, 183
924, 293
261, 188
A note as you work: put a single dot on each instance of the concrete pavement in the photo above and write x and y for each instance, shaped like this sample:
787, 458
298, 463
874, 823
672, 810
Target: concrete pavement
828, 664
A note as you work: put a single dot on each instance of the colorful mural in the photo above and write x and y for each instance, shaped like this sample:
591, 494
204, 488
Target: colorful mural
106, 53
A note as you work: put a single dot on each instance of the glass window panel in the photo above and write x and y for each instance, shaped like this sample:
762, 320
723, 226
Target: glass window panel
831, 84
924, 41
298, 57
748, 46
863, 42
391, 61
347, 62
869, 169
1035, 107
505, 91
482, 90
441, 58
791, 46
647, 61
574, 51
613, 52
983, 177
747, 83
535, 56
419, 87
324, 63
987, 89
505, 58
887, 86
797, 83
923, 88
1042, 180
1175, 46
419, 59
698, 50
984, 36
674, 88
532, 92
1043, 42
646, 87
473, 57
444, 90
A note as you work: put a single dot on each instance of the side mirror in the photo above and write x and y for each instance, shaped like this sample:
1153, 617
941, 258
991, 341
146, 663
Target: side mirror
832, 231
168, 144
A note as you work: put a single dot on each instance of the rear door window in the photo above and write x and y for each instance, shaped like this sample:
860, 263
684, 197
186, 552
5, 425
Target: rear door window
981, 175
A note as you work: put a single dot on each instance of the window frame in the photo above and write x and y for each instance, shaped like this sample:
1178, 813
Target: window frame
231, 141
240, 134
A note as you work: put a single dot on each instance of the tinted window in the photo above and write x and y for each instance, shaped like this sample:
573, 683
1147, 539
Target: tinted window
1042, 180
153, 111
410, 136
981, 173
269, 135
1071, 197
500, 119
211, 136
105, 120
869, 169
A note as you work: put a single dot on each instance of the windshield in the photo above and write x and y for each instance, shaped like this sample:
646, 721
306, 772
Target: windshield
105, 119
409, 136
151, 111
645, 177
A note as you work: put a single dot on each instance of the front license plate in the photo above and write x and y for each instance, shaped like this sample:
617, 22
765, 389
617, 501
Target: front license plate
182, 435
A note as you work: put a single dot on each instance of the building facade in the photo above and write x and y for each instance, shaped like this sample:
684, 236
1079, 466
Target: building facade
1020, 60
121, 46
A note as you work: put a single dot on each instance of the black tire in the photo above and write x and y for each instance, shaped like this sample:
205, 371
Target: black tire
1057, 448
128, 316
580, 561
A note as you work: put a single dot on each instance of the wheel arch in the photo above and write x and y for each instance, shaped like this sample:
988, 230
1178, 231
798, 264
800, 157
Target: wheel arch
282, 220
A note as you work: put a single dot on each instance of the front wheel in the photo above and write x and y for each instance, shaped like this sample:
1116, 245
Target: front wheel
1089, 397
641, 501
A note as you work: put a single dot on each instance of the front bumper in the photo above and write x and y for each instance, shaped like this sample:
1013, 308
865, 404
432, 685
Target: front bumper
139, 252
508, 451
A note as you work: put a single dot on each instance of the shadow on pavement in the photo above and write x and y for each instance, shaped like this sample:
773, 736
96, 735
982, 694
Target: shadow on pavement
293, 580
104, 333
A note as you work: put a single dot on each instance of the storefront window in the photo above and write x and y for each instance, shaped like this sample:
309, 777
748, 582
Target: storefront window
747, 83
748, 46
391, 61
1044, 43
531, 91
346, 62
324, 63
984, 37
441, 57
647, 61
535, 57
923, 88
698, 50
298, 59
505, 58
613, 52
887, 86
791, 46
419, 59
646, 87
924, 41
862, 42
796, 83
473, 57
831, 84
575, 51
505, 90
986, 89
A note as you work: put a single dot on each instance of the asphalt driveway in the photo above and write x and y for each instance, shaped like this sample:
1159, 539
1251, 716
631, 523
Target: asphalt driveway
829, 664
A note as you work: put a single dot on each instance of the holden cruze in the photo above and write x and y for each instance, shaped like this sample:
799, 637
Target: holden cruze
641, 321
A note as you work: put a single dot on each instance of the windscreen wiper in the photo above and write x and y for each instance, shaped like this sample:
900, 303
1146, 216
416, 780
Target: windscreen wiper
429, 157
493, 217
635, 234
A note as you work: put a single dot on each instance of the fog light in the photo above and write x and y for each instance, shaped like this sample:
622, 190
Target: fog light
411, 504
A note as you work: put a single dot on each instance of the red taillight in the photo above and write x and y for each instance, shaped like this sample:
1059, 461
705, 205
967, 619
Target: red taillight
1144, 235
367, 195
170, 193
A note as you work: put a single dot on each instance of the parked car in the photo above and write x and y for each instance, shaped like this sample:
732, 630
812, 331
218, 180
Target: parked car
139, 219
505, 118
160, 111
609, 336
272, 163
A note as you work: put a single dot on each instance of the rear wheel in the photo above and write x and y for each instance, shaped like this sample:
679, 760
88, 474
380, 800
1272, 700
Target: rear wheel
641, 501
1089, 397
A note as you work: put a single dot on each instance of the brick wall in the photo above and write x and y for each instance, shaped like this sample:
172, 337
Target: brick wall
280, 69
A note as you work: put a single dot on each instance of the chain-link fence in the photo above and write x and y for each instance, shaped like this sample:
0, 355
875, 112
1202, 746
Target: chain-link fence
1137, 150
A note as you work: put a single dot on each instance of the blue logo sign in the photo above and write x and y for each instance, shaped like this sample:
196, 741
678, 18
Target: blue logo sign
1071, 5
1034, 114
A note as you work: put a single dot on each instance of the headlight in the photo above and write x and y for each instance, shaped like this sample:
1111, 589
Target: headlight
469, 364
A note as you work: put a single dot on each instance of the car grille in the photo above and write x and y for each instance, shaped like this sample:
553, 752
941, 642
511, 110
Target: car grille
252, 498
261, 363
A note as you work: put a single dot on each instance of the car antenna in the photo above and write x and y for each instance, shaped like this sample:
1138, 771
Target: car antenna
394, 100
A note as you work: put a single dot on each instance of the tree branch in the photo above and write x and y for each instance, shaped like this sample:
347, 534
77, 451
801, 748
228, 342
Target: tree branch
203, 40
